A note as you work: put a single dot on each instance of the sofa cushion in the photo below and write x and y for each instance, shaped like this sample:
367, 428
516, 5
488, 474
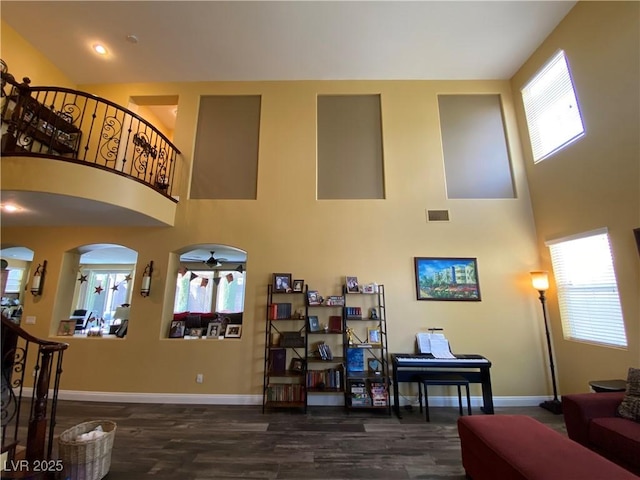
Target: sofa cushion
617, 436
517, 447
630, 406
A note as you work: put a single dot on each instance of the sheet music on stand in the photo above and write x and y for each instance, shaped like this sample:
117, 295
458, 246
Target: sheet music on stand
434, 343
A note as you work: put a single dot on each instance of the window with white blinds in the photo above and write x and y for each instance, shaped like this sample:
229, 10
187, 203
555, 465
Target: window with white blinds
14, 280
551, 108
587, 289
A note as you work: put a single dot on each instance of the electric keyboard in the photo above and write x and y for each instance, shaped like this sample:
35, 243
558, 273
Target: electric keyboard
427, 358
475, 368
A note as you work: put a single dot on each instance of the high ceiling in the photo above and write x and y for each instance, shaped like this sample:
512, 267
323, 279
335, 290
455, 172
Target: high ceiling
294, 40
267, 40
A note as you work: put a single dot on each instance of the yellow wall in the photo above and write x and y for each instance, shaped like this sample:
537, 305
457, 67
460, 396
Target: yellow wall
594, 182
25, 61
287, 230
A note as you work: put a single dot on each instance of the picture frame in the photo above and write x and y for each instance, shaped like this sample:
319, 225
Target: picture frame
66, 328
176, 330
233, 330
213, 329
374, 335
298, 286
282, 282
352, 284
374, 365
195, 332
447, 278
313, 298
314, 323
122, 329
297, 365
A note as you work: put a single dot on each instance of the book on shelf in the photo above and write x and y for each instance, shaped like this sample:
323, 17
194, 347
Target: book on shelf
324, 352
330, 378
379, 394
280, 311
285, 393
355, 360
359, 395
335, 324
278, 360
353, 313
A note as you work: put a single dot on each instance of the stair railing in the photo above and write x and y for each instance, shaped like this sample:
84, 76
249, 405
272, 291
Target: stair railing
28, 438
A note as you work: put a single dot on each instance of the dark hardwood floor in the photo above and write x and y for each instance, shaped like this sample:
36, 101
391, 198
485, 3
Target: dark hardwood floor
192, 442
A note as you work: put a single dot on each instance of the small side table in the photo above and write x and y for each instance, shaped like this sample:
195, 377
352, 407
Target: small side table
616, 385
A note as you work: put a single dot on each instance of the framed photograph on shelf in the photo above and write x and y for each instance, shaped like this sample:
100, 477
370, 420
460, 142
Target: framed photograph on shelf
313, 298
298, 286
443, 278
373, 336
314, 323
177, 329
369, 288
233, 331
352, 285
122, 329
297, 365
66, 328
195, 332
281, 282
213, 329
374, 365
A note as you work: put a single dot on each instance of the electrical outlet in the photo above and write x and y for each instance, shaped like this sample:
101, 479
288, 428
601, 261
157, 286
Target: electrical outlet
199, 378
30, 320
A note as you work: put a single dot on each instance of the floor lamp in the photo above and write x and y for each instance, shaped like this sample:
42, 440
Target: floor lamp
540, 281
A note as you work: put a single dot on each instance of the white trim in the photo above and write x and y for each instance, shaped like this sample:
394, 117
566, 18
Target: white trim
174, 398
476, 401
232, 399
577, 236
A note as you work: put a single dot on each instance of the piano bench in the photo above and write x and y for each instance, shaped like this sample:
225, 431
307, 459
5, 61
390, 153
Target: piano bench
427, 379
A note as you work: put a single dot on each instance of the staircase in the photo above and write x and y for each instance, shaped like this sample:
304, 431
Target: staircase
28, 420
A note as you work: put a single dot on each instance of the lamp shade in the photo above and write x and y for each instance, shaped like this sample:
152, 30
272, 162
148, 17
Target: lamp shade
540, 280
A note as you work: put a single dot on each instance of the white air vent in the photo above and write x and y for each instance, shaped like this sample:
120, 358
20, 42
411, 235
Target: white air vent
437, 215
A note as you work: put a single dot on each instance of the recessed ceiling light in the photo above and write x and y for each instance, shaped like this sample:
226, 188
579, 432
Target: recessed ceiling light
99, 49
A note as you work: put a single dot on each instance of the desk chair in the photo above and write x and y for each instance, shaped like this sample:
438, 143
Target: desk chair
442, 379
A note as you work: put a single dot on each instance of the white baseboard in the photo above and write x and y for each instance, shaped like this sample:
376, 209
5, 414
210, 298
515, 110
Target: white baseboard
440, 401
231, 399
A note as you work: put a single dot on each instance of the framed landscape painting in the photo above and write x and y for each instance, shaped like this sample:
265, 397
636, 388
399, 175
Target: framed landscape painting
443, 278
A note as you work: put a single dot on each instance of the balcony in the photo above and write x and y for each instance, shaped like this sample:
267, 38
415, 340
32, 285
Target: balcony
74, 156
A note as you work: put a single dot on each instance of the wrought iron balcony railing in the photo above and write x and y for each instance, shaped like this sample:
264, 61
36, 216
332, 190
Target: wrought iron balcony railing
78, 127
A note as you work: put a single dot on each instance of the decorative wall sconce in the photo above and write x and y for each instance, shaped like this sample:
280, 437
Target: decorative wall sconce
38, 279
146, 279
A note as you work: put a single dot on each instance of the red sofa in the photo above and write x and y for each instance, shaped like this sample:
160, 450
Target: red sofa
517, 447
591, 420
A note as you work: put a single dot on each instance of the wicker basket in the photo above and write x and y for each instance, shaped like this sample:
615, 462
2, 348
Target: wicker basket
86, 460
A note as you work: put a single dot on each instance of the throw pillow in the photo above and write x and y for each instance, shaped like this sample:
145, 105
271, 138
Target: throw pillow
630, 406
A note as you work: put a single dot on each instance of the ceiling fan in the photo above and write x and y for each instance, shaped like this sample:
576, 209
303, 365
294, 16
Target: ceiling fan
213, 262
209, 262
